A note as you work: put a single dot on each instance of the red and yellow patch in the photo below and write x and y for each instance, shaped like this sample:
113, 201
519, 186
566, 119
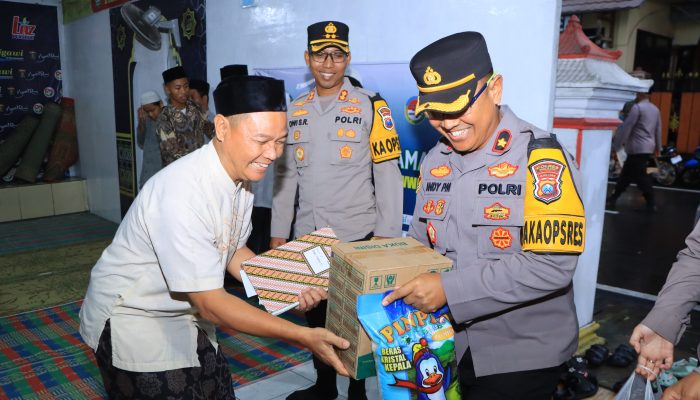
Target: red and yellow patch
341, 132
346, 151
432, 233
501, 238
429, 206
503, 170
299, 113
351, 110
299, 103
441, 171
440, 207
297, 135
354, 100
350, 133
502, 141
311, 95
497, 212
343, 96
299, 153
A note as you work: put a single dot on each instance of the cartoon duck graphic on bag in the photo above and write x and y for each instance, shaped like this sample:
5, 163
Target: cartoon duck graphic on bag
431, 378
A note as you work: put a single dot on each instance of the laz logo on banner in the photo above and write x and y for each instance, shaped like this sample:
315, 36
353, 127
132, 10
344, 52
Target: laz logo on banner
22, 29
547, 179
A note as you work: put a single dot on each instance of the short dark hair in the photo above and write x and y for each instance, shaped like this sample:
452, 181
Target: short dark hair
202, 87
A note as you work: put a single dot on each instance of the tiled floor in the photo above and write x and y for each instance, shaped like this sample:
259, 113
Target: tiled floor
279, 386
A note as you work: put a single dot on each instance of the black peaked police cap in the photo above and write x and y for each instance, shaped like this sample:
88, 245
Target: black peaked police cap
171, 74
448, 70
328, 33
247, 94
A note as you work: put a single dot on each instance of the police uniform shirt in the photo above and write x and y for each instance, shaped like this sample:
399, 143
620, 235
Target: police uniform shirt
517, 306
343, 160
681, 292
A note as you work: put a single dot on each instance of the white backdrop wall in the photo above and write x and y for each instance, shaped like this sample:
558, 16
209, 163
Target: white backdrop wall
87, 63
522, 37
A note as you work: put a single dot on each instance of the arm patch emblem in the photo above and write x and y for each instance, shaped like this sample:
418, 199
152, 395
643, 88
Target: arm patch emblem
547, 176
383, 140
554, 216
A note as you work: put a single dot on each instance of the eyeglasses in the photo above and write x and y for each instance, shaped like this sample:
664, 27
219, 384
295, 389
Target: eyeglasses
436, 114
336, 56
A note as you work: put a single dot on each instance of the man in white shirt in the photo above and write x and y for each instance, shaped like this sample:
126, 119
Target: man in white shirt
156, 293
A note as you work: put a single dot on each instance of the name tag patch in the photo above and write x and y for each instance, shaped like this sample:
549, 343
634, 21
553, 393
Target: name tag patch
347, 120
442, 187
500, 188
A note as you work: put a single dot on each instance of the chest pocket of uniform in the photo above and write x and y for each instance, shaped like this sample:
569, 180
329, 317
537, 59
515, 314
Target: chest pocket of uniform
497, 222
298, 144
345, 146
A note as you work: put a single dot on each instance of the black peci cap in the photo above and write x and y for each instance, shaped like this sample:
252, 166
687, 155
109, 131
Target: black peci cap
247, 94
171, 74
448, 70
328, 33
232, 70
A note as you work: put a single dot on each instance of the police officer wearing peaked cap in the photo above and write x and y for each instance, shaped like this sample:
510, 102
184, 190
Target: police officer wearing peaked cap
342, 155
497, 196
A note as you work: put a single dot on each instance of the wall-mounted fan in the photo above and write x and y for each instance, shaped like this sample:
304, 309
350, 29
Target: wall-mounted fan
147, 26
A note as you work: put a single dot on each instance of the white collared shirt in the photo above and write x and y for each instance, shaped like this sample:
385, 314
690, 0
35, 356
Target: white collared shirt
177, 237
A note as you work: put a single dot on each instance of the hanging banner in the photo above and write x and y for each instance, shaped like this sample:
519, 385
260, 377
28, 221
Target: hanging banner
76, 9
137, 69
30, 64
396, 85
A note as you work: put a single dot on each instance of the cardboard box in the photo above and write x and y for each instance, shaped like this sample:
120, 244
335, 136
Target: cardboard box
373, 266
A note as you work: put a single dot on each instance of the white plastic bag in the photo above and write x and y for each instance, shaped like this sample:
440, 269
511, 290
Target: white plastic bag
636, 389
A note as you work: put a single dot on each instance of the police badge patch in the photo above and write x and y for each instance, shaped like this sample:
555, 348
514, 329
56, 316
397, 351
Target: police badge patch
547, 179
502, 141
501, 238
299, 153
387, 121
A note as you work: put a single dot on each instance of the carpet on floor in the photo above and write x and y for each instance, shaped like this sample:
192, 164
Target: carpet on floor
61, 230
43, 357
46, 277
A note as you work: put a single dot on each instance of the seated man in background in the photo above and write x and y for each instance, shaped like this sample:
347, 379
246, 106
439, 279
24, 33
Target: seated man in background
156, 293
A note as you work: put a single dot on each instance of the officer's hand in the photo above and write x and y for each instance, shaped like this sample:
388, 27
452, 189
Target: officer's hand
323, 342
655, 352
423, 292
276, 242
310, 297
687, 388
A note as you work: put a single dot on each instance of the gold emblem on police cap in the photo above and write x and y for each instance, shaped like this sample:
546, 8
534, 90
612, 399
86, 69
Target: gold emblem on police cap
330, 31
431, 77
